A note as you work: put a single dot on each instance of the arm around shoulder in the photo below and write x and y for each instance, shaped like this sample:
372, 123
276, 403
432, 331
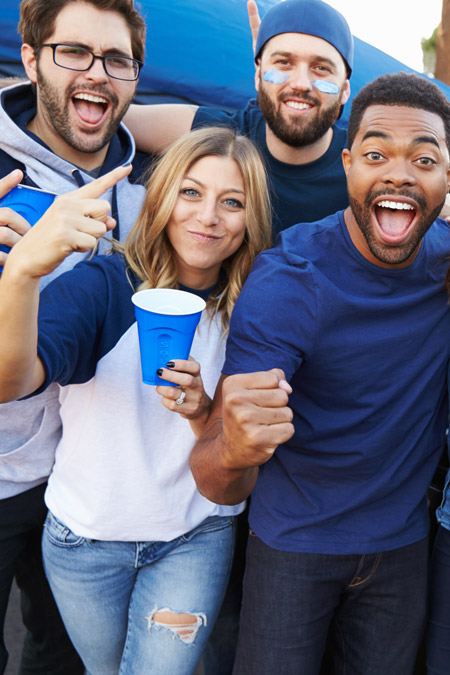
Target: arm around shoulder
155, 127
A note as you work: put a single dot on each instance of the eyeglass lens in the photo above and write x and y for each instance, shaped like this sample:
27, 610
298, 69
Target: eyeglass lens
78, 58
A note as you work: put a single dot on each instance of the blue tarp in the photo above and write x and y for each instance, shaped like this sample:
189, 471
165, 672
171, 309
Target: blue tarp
200, 51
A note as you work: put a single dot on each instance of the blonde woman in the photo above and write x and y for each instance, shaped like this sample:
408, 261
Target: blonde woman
137, 559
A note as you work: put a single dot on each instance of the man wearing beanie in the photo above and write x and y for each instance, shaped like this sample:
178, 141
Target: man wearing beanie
304, 57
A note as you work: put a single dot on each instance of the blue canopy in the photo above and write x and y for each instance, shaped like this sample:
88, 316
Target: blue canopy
200, 51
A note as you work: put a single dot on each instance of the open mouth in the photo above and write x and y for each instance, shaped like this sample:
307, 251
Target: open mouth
394, 219
91, 108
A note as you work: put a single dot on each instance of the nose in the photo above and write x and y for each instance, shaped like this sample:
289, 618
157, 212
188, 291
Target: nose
301, 78
207, 213
399, 172
97, 71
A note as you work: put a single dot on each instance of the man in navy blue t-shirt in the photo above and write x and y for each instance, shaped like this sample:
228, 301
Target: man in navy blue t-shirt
304, 57
332, 408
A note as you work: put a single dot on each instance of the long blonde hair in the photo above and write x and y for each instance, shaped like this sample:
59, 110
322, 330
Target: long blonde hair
148, 251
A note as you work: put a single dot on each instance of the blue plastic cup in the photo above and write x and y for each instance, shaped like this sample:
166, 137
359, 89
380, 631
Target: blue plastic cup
30, 202
166, 320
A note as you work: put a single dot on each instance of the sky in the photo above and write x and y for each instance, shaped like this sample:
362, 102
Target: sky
394, 26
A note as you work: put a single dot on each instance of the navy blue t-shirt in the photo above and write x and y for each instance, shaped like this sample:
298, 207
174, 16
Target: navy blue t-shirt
95, 297
365, 350
300, 193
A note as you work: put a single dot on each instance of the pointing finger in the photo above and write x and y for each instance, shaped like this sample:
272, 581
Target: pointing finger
101, 185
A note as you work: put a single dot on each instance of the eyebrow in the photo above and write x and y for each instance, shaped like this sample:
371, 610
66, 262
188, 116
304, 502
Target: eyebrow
375, 134
416, 141
111, 51
280, 53
425, 139
231, 189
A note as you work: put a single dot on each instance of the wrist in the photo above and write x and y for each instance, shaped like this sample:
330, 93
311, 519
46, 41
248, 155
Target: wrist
231, 460
17, 275
18, 269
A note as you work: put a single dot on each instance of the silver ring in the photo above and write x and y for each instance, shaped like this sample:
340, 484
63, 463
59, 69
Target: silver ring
180, 400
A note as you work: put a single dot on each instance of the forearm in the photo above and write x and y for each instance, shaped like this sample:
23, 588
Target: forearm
249, 420
20, 370
215, 476
155, 127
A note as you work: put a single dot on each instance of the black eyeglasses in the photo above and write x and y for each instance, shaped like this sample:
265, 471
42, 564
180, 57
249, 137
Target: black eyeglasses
73, 57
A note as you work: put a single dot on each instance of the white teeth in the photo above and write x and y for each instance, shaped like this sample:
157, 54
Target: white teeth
89, 97
298, 106
395, 205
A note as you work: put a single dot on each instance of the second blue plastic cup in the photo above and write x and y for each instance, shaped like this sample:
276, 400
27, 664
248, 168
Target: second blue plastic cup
30, 202
167, 319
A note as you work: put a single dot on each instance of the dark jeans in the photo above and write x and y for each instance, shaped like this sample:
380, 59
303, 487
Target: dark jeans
438, 639
220, 651
47, 649
370, 607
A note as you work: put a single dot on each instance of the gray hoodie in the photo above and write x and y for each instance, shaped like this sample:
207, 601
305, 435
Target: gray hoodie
30, 429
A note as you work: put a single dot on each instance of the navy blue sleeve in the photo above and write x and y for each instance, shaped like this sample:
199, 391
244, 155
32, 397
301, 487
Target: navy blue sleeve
208, 117
82, 314
273, 324
249, 122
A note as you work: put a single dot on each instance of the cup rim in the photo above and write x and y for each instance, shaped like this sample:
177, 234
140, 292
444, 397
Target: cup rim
21, 186
198, 303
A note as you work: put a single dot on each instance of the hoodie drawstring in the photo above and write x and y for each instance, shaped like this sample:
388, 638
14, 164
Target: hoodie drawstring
78, 177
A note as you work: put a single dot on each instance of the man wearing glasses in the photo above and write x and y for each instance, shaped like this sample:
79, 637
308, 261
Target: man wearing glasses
63, 129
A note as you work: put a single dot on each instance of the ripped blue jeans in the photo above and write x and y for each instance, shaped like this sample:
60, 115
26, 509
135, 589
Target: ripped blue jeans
139, 607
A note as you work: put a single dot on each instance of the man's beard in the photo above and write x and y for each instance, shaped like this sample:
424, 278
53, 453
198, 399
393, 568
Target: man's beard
392, 255
55, 108
296, 132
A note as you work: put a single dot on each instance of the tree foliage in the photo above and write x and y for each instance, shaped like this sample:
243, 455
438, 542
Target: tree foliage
442, 70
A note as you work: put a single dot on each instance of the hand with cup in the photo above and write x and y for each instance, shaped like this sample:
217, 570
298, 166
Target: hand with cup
122, 466
73, 223
187, 396
167, 319
13, 225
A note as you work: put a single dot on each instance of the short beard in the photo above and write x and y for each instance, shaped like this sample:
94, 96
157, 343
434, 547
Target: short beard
392, 255
55, 103
297, 133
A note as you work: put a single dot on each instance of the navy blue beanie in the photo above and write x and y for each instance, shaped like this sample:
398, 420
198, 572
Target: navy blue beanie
312, 17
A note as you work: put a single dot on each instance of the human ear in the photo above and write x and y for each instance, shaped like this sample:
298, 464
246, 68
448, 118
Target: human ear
346, 160
257, 74
345, 94
29, 62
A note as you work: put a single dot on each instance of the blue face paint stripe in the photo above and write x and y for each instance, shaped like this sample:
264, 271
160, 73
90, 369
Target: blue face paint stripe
326, 87
275, 77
